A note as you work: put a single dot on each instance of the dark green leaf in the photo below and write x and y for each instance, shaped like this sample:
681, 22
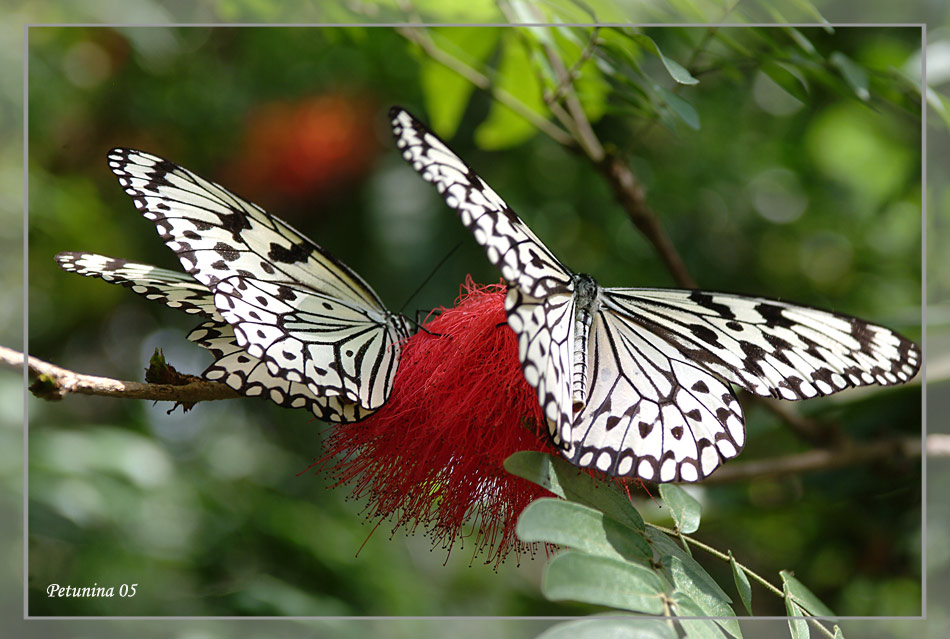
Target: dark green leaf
606, 582
803, 596
633, 628
565, 480
577, 526
680, 107
684, 509
742, 584
797, 627
709, 601
677, 71
663, 545
787, 77
854, 74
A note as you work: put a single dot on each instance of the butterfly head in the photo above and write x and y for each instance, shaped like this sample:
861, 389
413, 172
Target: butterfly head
586, 292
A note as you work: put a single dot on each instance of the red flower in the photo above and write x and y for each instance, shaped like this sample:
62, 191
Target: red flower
459, 406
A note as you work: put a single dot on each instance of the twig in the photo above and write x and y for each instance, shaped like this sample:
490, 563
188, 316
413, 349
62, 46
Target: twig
824, 459
55, 383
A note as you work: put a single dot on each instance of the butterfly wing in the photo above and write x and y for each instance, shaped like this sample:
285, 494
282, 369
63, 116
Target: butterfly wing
233, 366
652, 412
306, 336
511, 246
540, 300
174, 289
232, 247
768, 347
250, 377
545, 330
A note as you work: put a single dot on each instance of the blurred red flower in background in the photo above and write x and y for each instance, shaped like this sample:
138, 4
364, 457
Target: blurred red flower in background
304, 149
459, 406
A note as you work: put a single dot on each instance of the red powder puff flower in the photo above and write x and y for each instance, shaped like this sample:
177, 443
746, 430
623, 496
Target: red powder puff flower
459, 406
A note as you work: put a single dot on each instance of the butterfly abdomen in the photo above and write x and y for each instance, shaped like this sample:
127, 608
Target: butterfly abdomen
586, 303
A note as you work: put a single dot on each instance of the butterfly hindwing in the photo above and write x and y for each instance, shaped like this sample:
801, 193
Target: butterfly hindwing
243, 372
651, 411
174, 289
249, 376
313, 338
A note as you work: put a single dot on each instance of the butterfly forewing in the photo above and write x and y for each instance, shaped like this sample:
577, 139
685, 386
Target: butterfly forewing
768, 347
510, 244
305, 313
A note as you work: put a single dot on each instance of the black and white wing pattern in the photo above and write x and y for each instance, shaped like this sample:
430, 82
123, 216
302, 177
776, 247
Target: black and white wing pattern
309, 317
636, 382
246, 374
174, 289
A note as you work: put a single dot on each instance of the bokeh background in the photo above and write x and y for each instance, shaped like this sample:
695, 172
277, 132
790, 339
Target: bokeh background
814, 198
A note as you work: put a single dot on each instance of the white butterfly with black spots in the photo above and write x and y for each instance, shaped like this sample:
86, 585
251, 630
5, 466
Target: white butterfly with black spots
635, 381
245, 373
291, 304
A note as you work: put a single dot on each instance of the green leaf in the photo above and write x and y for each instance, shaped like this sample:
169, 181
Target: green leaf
635, 627
606, 582
683, 507
565, 480
787, 77
742, 584
663, 545
812, 10
711, 602
803, 596
577, 526
702, 629
799, 38
797, 627
938, 104
680, 107
516, 75
854, 74
446, 92
838, 633
677, 71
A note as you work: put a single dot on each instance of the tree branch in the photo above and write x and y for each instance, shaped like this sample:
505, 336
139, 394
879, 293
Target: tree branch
53, 383
900, 448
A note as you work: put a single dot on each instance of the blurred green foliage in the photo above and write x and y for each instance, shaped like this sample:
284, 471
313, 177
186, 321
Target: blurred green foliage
790, 169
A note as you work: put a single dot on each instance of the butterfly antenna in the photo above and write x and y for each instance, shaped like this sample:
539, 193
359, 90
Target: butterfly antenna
430, 276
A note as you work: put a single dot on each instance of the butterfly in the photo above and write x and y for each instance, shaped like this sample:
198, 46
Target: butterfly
246, 374
636, 381
308, 317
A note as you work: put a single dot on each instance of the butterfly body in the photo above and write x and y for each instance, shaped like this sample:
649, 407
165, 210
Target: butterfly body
637, 381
